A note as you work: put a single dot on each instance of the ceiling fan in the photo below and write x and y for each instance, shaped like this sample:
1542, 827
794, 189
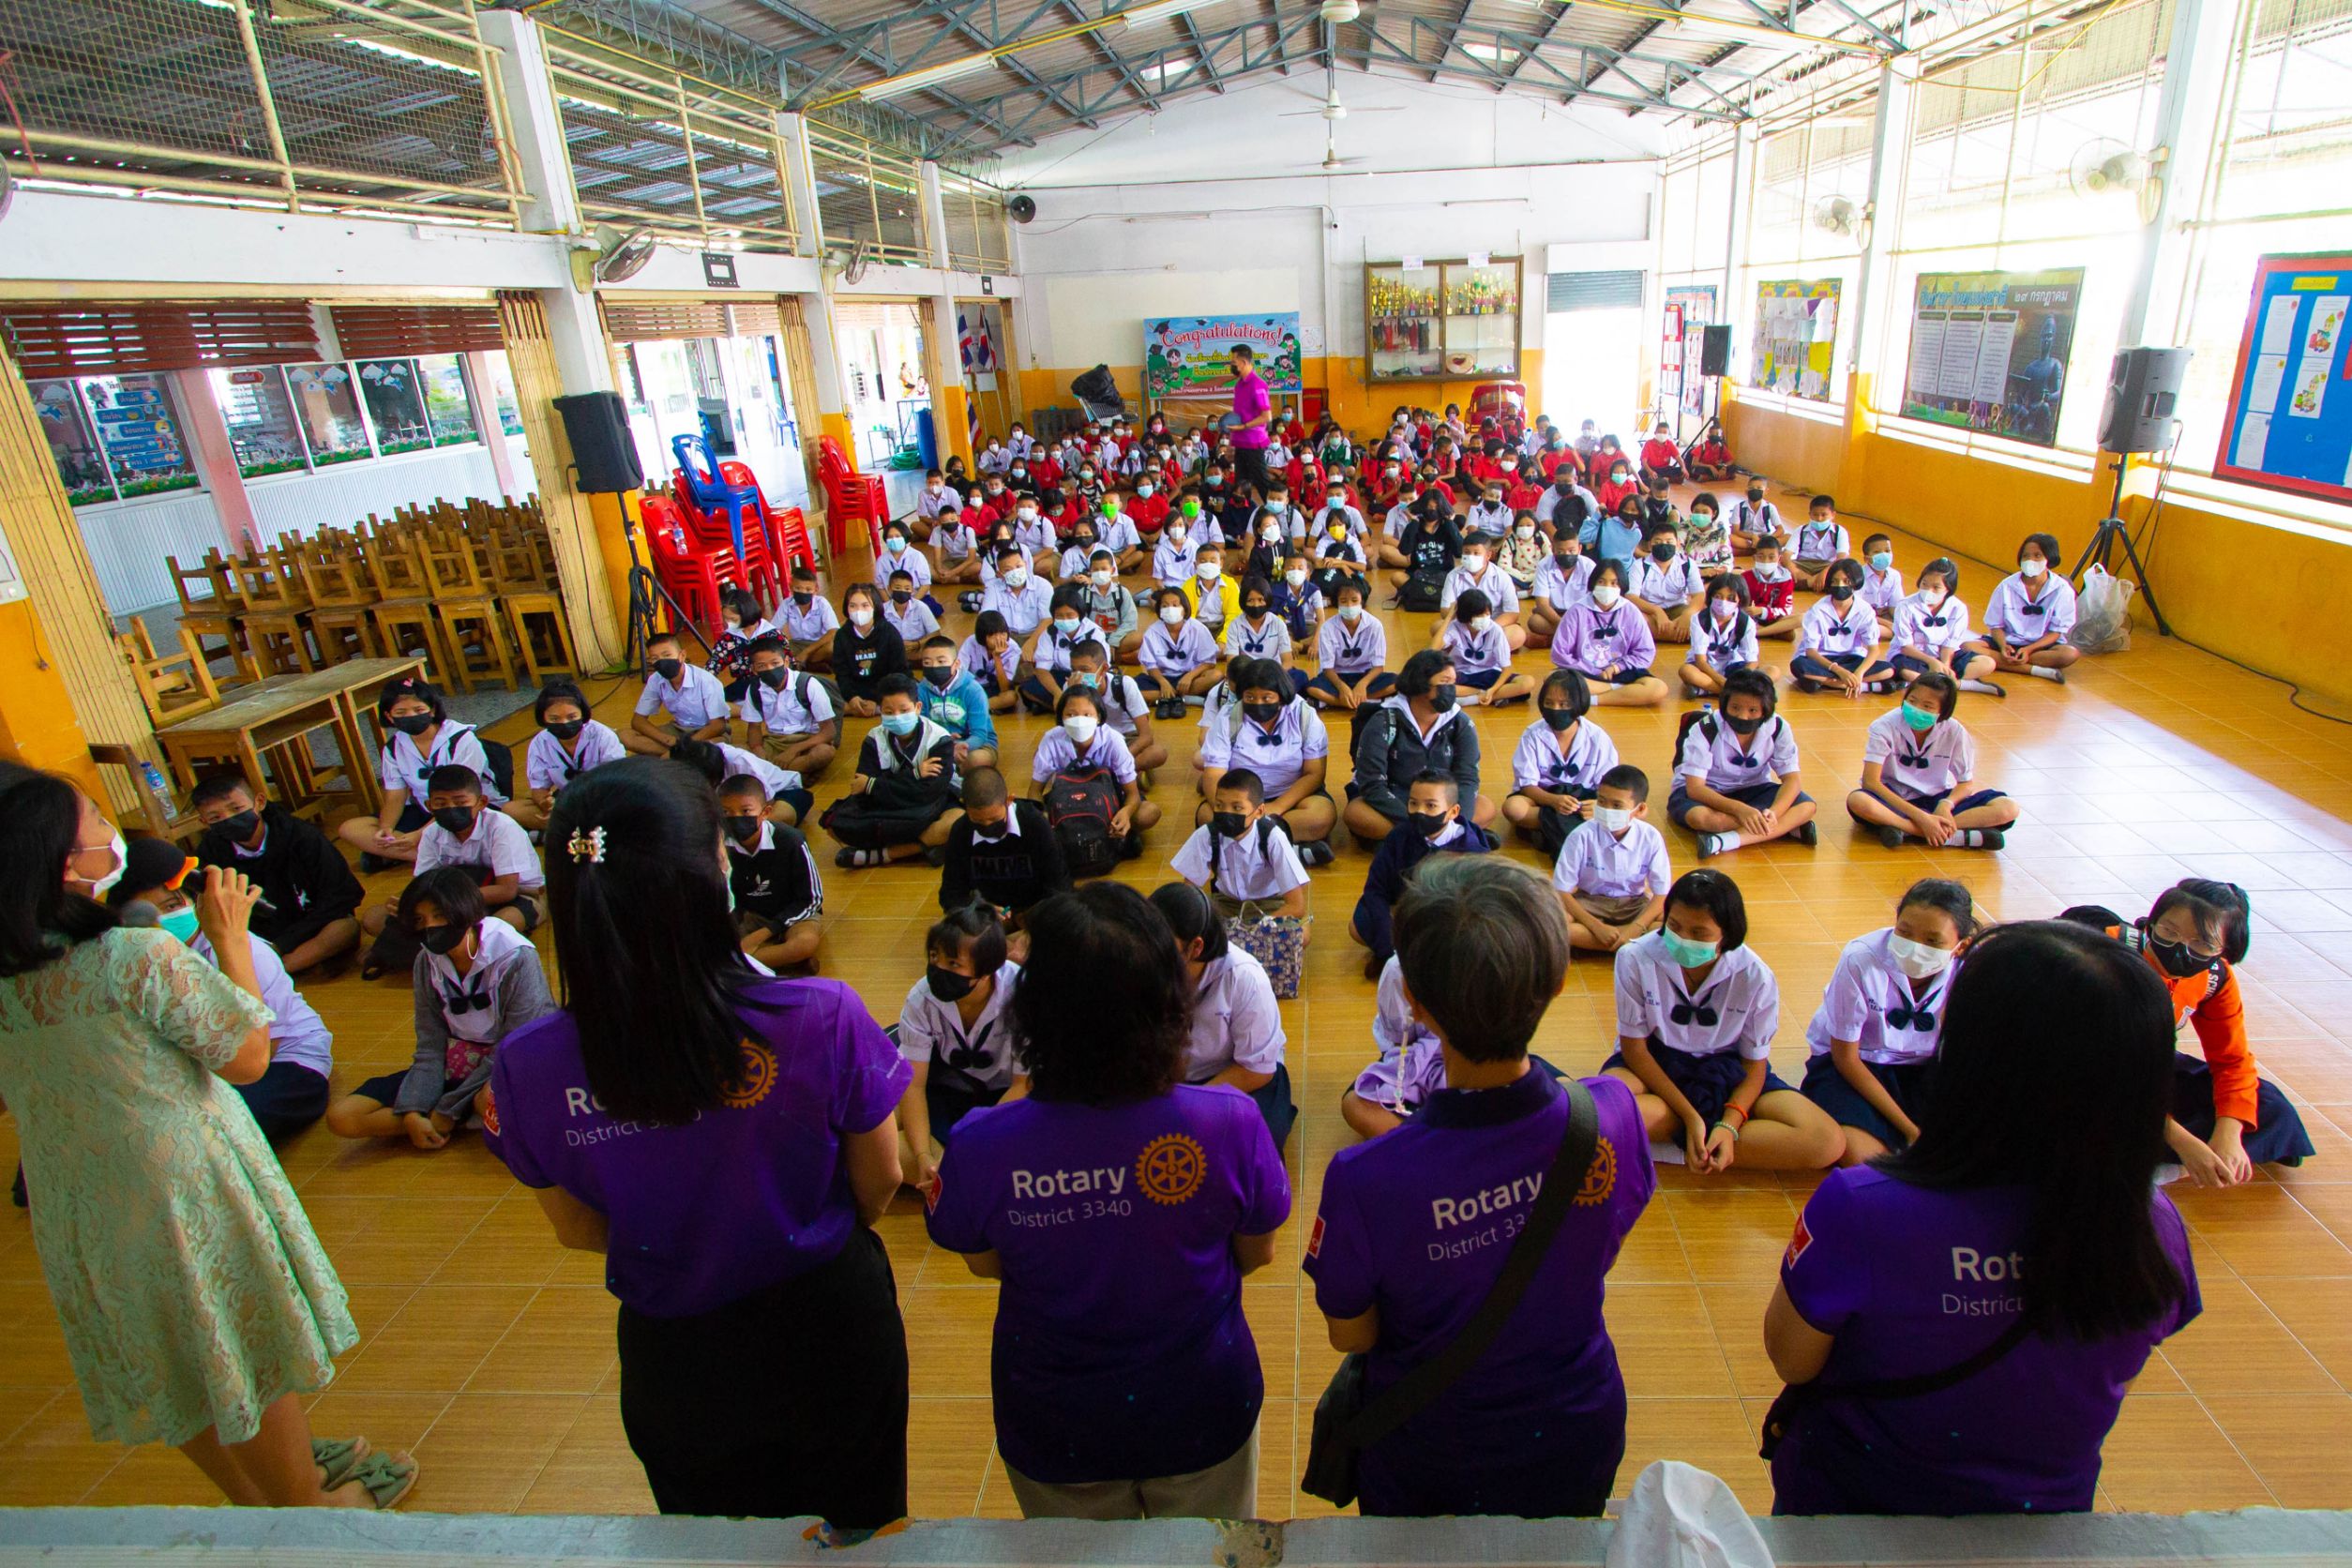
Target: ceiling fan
1332, 109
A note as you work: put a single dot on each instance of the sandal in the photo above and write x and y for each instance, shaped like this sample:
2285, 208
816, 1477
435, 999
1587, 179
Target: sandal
388, 1480
337, 1459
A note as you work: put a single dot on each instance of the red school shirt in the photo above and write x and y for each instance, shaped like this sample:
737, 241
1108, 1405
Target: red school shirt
1522, 496
1770, 601
1147, 512
1657, 452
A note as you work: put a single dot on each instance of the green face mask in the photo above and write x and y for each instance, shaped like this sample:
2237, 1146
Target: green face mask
1919, 719
181, 923
1683, 951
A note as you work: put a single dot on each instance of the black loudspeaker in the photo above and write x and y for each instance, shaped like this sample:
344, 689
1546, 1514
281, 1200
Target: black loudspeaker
1715, 351
2143, 387
604, 454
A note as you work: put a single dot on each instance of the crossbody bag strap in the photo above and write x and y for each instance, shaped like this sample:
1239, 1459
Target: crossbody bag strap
1409, 1395
1936, 1381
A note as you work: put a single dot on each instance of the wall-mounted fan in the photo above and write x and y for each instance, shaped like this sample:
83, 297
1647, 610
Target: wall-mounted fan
2102, 166
1837, 215
1020, 210
850, 262
611, 255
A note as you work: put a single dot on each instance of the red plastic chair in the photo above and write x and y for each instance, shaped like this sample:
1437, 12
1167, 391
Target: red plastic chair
793, 546
691, 575
709, 533
850, 496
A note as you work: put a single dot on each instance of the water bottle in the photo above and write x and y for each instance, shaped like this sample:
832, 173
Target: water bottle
159, 791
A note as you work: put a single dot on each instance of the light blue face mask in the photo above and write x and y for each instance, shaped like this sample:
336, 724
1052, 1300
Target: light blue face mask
901, 724
181, 923
1683, 951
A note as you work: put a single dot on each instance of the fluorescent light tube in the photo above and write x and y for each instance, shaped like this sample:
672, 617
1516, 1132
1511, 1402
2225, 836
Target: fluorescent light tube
931, 76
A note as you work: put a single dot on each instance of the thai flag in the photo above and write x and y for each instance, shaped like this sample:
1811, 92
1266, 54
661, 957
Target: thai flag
976, 345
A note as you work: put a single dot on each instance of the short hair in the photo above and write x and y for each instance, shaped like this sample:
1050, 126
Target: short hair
219, 787
1095, 1043
703, 757
775, 645
1887, 539
1246, 782
1090, 649
1066, 596
1608, 565
896, 576
2221, 910
1941, 893
674, 639
1716, 896
1191, 917
1732, 583
1748, 681
1259, 674
1947, 691
1483, 946
898, 686
1566, 689
1446, 781
991, 623
1077, 694
743, 784
1010, 550
804, 572
985, 787
971, 927
1660, 528
938, 643
559, 691
1706, 499
2047, 541
452, 779
410, 686
1481, 539
1945, 568
449, 889
1829, 501
1471, 604
744, 602
1844, 569
1768, 541
1349, 582
1242, 351
1255, 583
1629, 778
1421, 672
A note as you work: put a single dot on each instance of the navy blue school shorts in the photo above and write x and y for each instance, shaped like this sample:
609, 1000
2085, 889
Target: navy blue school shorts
1757, 798
1906, 1082
1706, 1081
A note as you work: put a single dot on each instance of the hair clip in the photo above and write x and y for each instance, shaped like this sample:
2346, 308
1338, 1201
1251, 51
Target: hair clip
587, 845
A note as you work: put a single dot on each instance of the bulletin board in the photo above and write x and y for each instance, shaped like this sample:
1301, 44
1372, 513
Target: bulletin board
1689, 308
2289, 422
1796, 337
1989, 351
1188, 355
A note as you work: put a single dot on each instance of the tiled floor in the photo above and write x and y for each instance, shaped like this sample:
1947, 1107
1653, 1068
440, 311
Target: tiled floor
490, 1351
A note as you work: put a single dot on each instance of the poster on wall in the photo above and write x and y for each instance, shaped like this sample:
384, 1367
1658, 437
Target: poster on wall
1989, 351
1187, 356
2289, 420
1796, 337
1689, 309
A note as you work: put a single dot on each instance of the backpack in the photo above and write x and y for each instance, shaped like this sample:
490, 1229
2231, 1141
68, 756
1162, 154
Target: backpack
801, 684
502, 763
1277, 942
1080, 802
1420, 593
1694, 718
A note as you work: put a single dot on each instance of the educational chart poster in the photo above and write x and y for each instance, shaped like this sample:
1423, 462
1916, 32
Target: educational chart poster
1796, 337
2289, 423
1989, 351
1185, 357
1688, 310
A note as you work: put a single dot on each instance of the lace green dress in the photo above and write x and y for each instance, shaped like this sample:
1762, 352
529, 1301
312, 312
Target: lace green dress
192, 1290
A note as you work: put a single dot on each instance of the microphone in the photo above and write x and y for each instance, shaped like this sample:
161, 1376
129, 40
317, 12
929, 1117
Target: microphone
193, 885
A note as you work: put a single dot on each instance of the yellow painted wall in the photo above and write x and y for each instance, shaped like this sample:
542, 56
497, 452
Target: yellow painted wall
38, 726
1362, 409
2265, 594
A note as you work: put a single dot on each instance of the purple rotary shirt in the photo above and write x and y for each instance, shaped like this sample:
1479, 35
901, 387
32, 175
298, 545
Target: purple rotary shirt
1250, 399
741, 1197
1417, 1222
1120, 1348
1911, 1281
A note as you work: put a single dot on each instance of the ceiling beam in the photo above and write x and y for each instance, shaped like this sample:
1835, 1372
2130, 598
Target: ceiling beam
1448, 34
1207, 66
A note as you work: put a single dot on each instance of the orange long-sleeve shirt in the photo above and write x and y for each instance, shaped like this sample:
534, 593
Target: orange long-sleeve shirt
2218, 1014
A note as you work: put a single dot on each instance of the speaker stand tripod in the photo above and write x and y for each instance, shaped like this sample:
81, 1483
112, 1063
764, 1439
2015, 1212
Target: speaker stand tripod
644, 589
2111, 533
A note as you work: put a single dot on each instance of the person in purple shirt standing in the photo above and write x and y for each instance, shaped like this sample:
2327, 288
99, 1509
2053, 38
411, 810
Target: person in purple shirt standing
1120, 1208
727, 1141
1253, 411
2015, 1258
1415, 1224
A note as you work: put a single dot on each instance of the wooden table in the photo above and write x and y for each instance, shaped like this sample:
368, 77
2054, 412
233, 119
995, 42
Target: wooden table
275, 717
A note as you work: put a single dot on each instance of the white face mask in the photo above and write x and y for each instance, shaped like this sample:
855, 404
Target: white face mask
1081, 730
1207, 571
1612, 819
1482, 625
1932, 598
1016, 578
861, 619
1176, 532
1351, 613
1026, 514
1606, 596
1916, 959
1173, 614
1473, 563
1295, 578
105, 884
1143, 492
1525, 531
1772, 573
1723, 609
1103, 579
1271, 533
2032, 569
937, 488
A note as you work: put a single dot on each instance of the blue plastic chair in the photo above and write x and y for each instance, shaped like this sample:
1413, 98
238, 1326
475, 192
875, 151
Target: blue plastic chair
710, 489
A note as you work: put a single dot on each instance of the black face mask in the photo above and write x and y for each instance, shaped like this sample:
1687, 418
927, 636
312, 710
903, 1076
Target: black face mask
902, 595
414, 724
1662, 553
1841, 592
1747, 726
1228, 824
1428, 824
669, 668
565, 729
443, 939
1261, 713
1756, 495
946, 984
939, 676
457, 820
1085, 541
990, 830
1561, 720
240, 827
804, 600
774, 679
1441, 698
1567, 559
2176, 958
745, 830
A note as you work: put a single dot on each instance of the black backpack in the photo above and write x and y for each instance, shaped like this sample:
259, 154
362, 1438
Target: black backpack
1422, 592
1080, 802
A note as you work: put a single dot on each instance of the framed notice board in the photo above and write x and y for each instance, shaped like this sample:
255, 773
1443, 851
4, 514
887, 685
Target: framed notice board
2289, 421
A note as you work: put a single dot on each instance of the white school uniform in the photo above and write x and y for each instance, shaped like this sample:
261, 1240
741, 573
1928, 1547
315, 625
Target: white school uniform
953, 539
1564, 590
774, 779
806, 625
1835, 634
1726, 761
548, 766
1276, 756
1740, 992
1236, 1021
988, 566
1318, 521
1269, 638
1172, 559
1053, 648
1596, 862
1475, 652
1941, 632
933, 1032
1117, 534
1924, 764
1501, 594
1024, 608
1352, 649
996, 459
1261, 866
796, 708
1173, 652
497, 841
1548, 504
974, 659
1864, 989
1538, 764
1078, 558
1057, 753
2021, 619
695, 700
1881, 591
1394, 1029
401, 766
499, 948
1723, 646
1819, 543
911, 561
1483, 518
1036, 536
913, 624
933, 505
1756, 521
1122, 702
1667, 587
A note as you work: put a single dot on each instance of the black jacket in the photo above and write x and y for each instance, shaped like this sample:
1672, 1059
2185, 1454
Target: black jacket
300, 871
1390, 752
1392, 864
1013, 872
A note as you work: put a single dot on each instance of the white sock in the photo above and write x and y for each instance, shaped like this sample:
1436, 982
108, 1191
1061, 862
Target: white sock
2042, 672
1723, 843
1970, 839
1987, 687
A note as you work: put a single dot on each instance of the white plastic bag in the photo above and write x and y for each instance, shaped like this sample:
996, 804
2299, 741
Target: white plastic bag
1680, 1516
2102, 612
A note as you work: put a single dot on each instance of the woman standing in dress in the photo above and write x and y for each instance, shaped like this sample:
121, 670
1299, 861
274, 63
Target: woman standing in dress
197, 1305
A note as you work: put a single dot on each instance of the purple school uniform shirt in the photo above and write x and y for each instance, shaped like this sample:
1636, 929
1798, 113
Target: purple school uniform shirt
1120, 1348
1418, 1221
1912, 1281
741, 1197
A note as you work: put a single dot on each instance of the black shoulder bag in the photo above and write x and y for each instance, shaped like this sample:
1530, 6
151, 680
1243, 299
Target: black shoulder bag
1346, 1423
1796, 1398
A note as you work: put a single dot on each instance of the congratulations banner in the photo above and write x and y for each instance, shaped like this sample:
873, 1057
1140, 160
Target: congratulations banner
1188, 355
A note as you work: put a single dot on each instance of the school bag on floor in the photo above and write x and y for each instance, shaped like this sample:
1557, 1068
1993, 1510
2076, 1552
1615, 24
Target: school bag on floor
2102, 614
1080, 802
1420, 593
1277, 942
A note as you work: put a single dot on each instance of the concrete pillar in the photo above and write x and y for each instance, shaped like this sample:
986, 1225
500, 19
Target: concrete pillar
831, 416
1873, 313
215, 459
1737, 311
951, 413
2189, 107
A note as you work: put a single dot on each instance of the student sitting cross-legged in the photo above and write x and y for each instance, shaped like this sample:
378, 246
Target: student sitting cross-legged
490, 847
1434, 823
772, 872
1736, 782
1403, 1255
1557, 763
903, 803
1237, 1036
1243, 856
1001, 852
1409, 1068
1919, 776
954, 1033
312, 900
790, 714
953, 700
788, 801
1612, 873
476, 982
568, 743
1874, 1036
692, 699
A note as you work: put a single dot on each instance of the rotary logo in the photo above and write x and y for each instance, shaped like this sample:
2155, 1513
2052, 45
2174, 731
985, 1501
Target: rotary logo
1600, 1177
1170, 1169
757, 1079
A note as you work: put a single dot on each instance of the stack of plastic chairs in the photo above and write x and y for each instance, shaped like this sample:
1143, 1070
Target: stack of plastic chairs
850, 496
754, 567
707, 485
793, 546
692, 572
